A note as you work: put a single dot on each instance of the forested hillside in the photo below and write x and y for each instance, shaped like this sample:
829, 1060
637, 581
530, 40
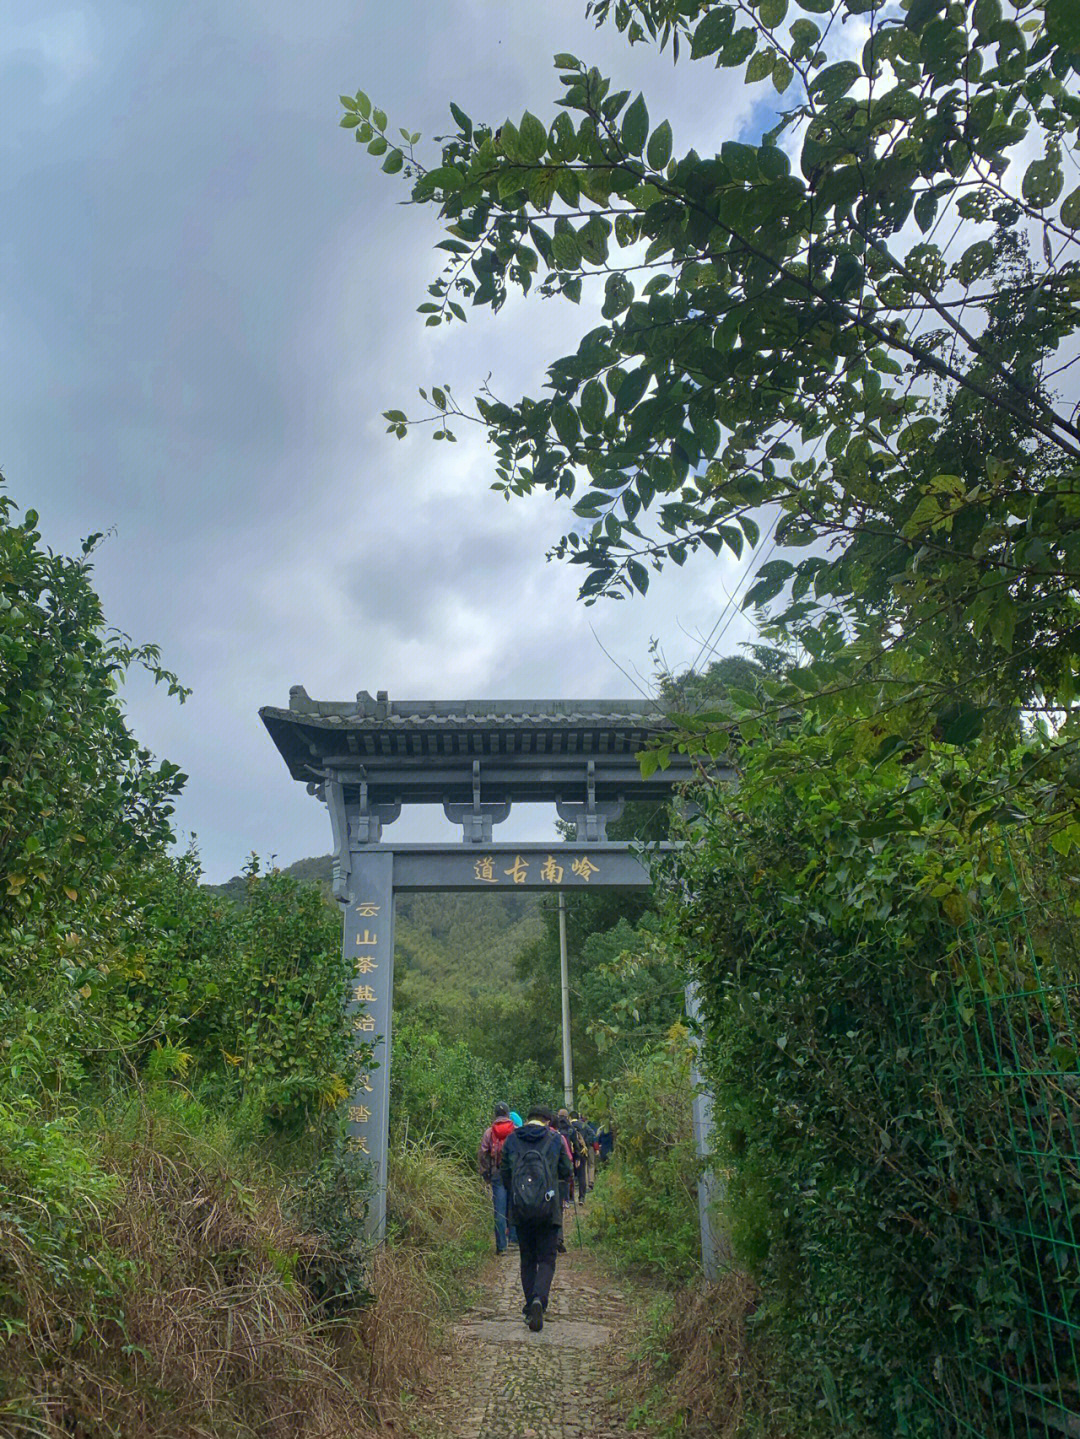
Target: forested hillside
457, 955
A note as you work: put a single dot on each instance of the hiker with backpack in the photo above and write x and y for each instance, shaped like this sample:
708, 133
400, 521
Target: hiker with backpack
488, 1159
589, 1134
579, 1145
576, 1145
533, 1163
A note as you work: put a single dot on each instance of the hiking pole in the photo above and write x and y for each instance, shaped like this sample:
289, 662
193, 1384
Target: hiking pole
577, 1226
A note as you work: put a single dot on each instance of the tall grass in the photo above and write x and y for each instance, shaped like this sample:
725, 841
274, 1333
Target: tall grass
154, 1282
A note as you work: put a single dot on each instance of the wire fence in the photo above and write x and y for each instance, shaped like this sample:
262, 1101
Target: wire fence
1009, 1117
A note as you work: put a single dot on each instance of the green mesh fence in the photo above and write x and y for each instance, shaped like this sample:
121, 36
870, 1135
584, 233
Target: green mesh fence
1011, 1119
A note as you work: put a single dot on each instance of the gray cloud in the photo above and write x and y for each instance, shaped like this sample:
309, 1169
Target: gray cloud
209, 297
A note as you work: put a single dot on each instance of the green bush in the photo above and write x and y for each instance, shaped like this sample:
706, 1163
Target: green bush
644, 1206
887, 1003
443, 1093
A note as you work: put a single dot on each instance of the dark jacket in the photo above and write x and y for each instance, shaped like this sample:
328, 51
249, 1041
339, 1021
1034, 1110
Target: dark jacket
528, 1136
588, 1135
569, 1132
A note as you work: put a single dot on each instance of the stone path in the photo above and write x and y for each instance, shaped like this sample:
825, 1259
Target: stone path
504, 1382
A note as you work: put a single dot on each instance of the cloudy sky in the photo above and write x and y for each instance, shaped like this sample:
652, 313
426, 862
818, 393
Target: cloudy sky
207, 297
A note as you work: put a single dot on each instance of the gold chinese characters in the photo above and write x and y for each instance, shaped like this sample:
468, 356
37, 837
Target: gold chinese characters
551, 870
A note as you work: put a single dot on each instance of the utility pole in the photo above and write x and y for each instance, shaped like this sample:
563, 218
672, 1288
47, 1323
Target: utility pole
564, 976
715, 1245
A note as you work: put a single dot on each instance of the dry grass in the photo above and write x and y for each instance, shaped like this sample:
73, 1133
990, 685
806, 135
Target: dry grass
176, 1308
698, 1376
437, 1220
192, 1325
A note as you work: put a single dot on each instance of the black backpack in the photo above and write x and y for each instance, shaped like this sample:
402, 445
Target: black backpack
534, 1179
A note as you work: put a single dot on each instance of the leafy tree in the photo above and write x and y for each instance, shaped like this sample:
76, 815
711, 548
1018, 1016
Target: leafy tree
84, 809
775, 316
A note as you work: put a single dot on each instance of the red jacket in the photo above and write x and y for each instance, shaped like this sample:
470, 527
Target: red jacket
495, 1136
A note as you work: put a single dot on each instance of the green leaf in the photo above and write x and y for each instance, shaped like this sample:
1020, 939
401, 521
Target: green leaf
961, 722
1070, 210
378, 118
921, 12
565, 247
659, 151
975, 261
805, 34
782, 74
446, 177
566, 61
393, 162
363, 104
564, 419
532, 139
772, 162
635, 126
541, 188
1043, 182
834, 81
350, 122
379, 145
592, 405
1063, 24
987, 16
348, 103
712, 31
739, 47
464, 124
649, 761
771, 13
741, 160
631, 390
760, 66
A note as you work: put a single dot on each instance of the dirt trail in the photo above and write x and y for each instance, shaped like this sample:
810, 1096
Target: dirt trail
504, 1382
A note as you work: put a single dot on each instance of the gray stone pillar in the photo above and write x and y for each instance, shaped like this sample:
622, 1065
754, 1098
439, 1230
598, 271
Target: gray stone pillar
369, 953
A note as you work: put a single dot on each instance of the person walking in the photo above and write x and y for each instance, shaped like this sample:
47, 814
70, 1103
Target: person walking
566, 1186
588, 1138
589, 1135
575, 1145
532, 1164
488, 1161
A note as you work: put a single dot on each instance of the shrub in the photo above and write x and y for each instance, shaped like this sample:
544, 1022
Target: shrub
443, 1093
644, 1206
887, 1003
